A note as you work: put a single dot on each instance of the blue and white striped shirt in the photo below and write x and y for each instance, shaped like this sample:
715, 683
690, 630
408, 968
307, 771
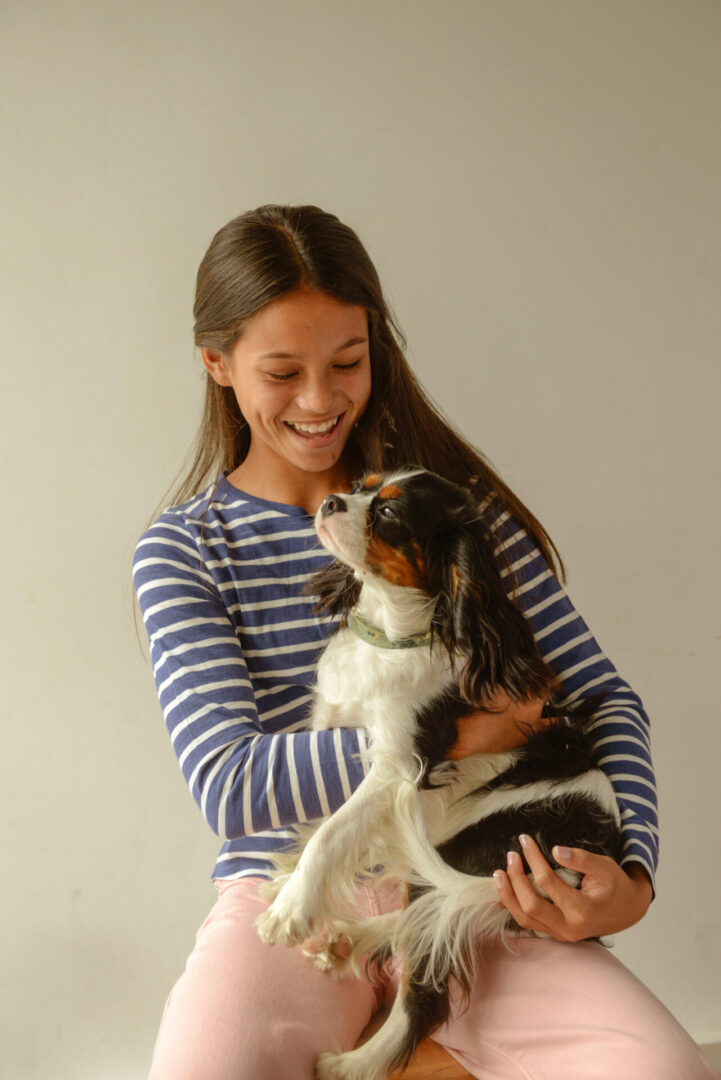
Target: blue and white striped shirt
234, 643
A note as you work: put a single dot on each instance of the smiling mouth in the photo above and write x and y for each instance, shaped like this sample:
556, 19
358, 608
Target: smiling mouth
315, 430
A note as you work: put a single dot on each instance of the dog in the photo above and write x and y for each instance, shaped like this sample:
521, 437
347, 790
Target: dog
427, 635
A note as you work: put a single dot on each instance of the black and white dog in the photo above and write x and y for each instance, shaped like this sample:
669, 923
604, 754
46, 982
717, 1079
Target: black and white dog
428, 635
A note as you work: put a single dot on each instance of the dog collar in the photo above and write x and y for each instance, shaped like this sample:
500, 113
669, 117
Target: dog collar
375, 636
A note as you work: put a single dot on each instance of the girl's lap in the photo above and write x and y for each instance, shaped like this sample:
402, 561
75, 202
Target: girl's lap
540, 1009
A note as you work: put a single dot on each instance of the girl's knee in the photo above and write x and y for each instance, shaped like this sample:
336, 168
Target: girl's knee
673, 1062
664, 1052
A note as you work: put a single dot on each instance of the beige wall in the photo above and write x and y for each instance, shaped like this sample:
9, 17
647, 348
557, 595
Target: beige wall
539, 186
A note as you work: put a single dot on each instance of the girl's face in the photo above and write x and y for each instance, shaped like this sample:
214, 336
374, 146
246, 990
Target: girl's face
301, 375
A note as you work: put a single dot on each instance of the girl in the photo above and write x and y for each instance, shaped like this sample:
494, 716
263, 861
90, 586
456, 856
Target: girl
307, 388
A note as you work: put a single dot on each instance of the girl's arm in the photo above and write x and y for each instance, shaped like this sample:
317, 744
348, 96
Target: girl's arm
610, 897
244, 776
621, 726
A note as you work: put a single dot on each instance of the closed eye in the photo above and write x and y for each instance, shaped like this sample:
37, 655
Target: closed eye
277, 377
284, 376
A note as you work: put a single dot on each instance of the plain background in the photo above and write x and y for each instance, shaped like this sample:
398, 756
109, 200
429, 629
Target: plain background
538, 184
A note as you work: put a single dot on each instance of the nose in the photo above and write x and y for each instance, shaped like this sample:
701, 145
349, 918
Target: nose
332, 504
316, 394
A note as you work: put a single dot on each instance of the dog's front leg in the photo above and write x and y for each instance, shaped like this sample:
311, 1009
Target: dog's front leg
323, 882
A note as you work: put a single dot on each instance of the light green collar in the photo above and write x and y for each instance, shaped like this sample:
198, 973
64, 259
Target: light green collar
375, 636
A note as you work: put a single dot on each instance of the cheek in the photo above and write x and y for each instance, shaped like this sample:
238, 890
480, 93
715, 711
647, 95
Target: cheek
262, 406
360, 392
405, 568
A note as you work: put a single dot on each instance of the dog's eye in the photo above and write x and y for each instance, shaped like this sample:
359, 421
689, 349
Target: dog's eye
387, 511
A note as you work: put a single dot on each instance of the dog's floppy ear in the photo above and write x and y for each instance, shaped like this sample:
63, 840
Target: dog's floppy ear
336, 587
474, 617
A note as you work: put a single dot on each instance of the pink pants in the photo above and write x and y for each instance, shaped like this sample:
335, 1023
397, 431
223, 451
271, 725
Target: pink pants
543, 1011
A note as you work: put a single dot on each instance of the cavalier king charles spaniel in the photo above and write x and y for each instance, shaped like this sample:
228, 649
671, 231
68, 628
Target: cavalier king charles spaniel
427, 635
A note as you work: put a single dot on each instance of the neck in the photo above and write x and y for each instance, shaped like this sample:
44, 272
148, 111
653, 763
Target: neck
399, 612
292, 487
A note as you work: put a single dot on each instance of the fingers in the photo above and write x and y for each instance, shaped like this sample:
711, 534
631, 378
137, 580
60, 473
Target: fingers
546, 879
519, 897
508, 899
607, 900
560, 915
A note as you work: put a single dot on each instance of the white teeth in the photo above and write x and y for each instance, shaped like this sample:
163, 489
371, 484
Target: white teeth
314, 429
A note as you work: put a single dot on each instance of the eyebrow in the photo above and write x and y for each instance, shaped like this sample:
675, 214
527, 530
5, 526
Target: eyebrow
276, 354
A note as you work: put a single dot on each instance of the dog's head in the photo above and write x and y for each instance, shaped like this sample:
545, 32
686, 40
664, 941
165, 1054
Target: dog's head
413, 529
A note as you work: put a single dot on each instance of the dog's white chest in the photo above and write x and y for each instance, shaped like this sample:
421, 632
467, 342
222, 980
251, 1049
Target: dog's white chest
359, 683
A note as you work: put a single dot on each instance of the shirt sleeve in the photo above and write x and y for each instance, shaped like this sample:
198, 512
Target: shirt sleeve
620, 725
244, 779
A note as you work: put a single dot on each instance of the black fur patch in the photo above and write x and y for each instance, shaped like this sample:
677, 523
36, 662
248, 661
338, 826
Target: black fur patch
427, 1008
571, 821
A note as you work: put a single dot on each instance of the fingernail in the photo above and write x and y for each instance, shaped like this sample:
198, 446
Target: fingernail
498, 878
511, 858
562, 852
524, 839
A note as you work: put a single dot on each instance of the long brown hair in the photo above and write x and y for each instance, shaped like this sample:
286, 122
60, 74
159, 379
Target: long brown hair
273, 250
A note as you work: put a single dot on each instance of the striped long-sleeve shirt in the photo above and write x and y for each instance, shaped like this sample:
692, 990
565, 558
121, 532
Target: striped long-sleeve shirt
234, 644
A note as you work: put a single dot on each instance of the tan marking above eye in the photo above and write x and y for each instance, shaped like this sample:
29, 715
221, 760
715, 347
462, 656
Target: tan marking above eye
390, 491
372, 481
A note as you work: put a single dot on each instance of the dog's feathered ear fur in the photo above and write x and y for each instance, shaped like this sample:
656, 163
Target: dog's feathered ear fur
336, 587
475, 618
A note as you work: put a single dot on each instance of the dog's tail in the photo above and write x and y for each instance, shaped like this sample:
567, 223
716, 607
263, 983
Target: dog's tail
449, 911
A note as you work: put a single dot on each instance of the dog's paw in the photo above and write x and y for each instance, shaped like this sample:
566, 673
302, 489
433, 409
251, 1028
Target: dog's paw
276, 928
350, 1066
289, 919
329, 952
328, 1067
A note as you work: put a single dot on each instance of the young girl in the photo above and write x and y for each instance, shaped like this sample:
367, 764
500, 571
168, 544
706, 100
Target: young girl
307, 388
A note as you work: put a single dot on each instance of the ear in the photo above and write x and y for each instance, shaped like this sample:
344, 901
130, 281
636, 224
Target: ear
216, 364
477, 619
336, 588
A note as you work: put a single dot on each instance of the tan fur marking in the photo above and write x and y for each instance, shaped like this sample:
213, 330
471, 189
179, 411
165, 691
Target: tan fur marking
455, 582
390, 491
392, 564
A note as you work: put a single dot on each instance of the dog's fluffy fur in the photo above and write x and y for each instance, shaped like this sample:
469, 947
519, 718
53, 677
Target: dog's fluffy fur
413, 558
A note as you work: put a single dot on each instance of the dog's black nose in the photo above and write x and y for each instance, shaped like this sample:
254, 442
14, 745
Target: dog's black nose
332, 504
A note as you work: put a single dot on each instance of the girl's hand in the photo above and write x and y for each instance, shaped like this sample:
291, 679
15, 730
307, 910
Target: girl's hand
497, 731
609, 899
